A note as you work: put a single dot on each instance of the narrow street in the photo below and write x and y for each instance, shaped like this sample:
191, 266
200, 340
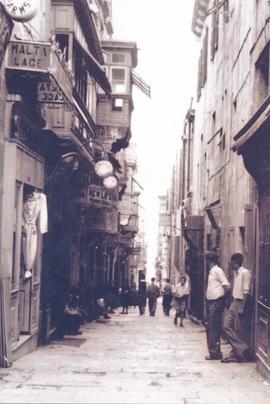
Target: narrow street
131, 359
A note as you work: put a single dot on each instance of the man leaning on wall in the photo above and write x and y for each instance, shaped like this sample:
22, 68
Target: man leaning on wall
234, 317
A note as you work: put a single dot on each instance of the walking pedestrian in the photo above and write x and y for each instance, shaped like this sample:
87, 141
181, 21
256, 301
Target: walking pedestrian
152, 294
142, 292
180, 295
217, 287
125, 297
235, 316
167, 297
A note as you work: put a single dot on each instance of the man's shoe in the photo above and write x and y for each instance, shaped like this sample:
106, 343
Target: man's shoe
230, 359
213, 357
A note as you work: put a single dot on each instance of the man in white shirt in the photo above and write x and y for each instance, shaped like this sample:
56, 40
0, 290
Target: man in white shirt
217, 286
233, 319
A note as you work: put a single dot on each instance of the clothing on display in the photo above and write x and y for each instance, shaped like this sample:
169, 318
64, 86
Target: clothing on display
35, 218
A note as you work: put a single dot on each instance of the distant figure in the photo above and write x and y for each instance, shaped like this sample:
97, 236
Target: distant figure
152, 294
167, 297
142, 292
125, 297
235, 316
133, 296
181, 293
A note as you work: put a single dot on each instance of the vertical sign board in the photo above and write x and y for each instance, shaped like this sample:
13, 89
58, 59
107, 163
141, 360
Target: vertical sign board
6, 26
32, 56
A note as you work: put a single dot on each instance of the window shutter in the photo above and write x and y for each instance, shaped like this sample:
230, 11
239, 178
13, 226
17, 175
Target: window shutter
204, 58
215, 29
199, 82
250, 237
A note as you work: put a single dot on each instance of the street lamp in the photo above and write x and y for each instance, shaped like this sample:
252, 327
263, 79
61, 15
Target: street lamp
103, 168
110, 182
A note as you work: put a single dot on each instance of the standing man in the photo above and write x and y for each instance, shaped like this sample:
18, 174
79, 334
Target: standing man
142, 290
167, 297
217, 286
234, 316
152, 294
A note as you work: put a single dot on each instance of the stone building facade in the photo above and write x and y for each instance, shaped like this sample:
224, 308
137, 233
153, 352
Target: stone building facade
228, 198
67, 97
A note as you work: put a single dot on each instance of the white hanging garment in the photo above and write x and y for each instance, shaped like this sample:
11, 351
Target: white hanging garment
35, 207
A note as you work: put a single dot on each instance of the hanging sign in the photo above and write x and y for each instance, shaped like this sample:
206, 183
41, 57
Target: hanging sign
21, 10
49, 92
28, 56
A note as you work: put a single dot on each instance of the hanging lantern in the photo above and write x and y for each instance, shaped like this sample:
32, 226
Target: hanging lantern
103, 168
110, 182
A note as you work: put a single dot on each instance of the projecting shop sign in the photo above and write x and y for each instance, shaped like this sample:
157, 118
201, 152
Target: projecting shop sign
29, 56
49, 92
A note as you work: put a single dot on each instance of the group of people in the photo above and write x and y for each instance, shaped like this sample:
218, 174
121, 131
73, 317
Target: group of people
176, 297
227, 309
173, 296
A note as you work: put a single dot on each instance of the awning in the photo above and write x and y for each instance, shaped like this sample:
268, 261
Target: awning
96, 71
251, 127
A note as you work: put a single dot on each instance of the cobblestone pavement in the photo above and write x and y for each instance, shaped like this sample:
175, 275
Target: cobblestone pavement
131, 359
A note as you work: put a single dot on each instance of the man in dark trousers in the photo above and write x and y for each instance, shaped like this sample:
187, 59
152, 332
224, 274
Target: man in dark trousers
217, 287
167, 297
142, 290
235, 315
152, 294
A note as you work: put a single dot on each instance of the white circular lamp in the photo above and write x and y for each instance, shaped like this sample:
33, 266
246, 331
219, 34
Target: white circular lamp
21, 10
110, 182
103, 168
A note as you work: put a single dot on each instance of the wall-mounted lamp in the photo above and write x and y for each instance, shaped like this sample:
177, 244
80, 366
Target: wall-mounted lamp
103, 168
71, 158
110, 182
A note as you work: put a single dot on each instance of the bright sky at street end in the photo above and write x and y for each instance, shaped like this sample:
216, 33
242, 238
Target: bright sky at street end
167, 60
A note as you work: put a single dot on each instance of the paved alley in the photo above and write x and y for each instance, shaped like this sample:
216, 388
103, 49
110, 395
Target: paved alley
131, 359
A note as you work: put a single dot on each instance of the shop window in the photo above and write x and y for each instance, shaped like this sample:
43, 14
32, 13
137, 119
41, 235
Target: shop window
117, 104
118, 80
